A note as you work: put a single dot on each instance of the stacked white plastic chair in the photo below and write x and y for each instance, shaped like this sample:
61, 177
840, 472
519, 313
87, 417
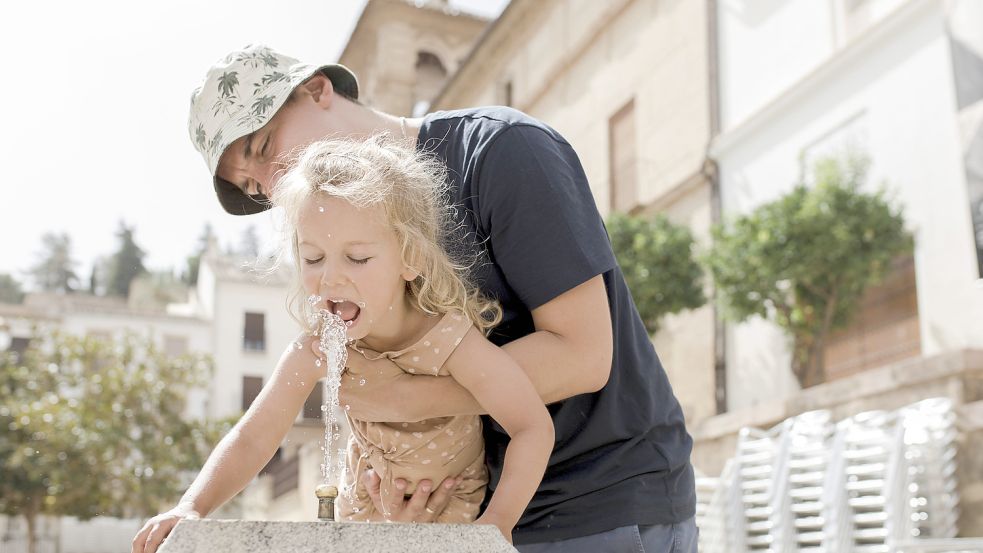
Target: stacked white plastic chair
870, 484
930, 455
760, 479
808, 461
711, 507
873, 482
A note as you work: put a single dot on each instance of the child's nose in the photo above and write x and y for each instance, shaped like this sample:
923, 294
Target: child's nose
332, 278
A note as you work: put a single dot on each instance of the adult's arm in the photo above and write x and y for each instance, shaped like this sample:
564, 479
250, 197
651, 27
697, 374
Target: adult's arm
568, 354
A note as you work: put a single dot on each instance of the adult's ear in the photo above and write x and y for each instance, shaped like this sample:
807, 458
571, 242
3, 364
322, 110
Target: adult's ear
318, 88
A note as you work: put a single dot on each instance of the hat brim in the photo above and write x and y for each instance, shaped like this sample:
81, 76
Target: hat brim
236, 202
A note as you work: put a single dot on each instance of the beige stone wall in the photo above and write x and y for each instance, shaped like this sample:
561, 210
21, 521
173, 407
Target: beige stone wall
574, 64
383, 49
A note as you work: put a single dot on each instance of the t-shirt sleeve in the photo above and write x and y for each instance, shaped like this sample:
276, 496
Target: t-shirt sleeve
538, 214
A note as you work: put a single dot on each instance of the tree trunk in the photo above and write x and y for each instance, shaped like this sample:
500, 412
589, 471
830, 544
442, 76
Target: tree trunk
32, 539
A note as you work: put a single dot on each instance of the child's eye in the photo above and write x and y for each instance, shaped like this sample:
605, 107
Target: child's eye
362, 261
313, 261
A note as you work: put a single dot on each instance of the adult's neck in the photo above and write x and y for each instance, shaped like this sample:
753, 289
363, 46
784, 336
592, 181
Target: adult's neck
363, 122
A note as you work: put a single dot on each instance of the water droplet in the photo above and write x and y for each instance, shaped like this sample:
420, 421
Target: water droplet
361, 382
320, 208
348, 408
317, 362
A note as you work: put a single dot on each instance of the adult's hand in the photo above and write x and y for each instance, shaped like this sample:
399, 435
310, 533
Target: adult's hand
425, 505
149, 538
373, 398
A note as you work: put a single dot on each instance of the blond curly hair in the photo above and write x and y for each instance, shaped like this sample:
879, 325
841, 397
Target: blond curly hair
412, 189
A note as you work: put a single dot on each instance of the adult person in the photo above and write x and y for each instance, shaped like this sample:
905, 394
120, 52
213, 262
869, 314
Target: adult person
619, 475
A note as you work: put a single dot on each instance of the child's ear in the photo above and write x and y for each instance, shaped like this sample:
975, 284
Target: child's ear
409, 274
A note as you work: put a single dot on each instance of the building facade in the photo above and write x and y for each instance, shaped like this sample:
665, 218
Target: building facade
627, 83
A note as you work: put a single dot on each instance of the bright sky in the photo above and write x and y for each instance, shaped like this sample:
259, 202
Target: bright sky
95, 98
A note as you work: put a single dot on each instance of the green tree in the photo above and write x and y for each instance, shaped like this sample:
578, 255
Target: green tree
805, 259
97, 427
126, 264
10, 289
55, 271
656, 257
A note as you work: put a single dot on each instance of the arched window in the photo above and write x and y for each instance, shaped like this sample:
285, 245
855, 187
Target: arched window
430, 77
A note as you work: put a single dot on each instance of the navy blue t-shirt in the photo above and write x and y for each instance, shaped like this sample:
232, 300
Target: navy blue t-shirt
622, 454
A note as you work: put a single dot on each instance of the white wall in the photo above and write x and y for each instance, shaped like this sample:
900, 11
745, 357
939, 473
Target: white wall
892, 94
232, 301
764, 47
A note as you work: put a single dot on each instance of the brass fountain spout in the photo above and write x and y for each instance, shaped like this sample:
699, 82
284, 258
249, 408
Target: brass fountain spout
326, 496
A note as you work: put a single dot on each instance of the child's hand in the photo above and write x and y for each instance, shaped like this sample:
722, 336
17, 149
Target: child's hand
504, 527
156, 529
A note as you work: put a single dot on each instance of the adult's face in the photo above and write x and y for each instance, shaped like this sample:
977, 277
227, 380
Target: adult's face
256, 161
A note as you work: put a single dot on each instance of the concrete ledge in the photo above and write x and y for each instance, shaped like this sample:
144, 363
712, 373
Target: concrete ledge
222, 536
957, 375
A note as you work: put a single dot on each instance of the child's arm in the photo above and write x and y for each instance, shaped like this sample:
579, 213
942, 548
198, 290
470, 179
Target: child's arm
505, 392
247, 448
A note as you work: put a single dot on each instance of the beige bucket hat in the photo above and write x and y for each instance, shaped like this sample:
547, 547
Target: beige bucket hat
240, 94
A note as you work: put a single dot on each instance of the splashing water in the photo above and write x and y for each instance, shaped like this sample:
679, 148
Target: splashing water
332, 337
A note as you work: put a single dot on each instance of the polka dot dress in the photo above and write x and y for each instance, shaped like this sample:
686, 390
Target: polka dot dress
431, 449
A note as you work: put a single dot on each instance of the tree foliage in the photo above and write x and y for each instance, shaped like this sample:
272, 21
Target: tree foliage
55, 270
126, 264
98, 427
805, 259
656, 257
10, 289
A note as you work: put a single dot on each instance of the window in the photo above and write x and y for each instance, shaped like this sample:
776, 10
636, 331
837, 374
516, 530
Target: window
18, 345
622, 158
430, 77
254, 332
312, 407
286, 475
251, 386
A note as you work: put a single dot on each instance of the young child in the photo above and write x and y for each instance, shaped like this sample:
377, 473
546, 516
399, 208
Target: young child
368, 222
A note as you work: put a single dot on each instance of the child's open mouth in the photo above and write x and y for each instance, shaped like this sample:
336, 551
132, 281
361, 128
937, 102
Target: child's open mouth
347, 310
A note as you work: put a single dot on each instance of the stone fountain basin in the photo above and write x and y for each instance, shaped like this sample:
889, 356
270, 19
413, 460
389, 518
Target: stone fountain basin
224, 536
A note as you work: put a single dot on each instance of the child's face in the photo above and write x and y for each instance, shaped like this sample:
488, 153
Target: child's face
350, 257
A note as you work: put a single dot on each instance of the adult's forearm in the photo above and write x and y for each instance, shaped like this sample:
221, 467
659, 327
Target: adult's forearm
557, 371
